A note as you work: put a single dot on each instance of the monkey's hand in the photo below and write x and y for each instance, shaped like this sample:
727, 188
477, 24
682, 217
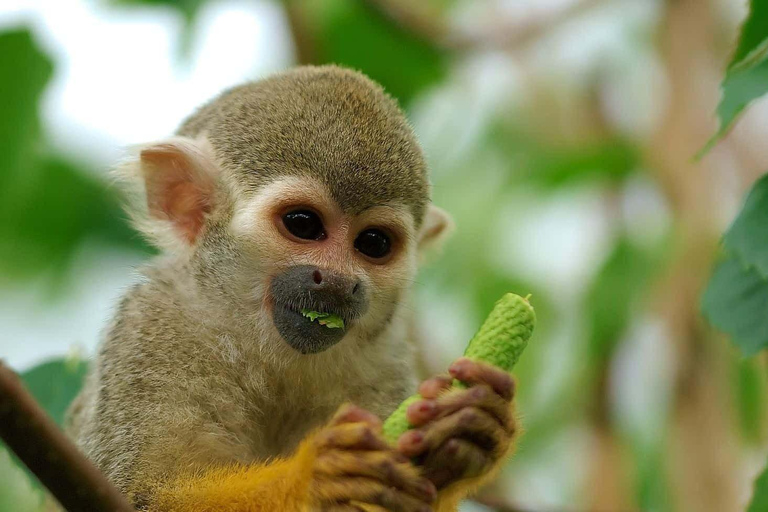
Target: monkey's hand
356, 470
461, 434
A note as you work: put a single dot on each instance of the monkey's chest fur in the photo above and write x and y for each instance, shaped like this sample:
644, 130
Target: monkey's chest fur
164, 396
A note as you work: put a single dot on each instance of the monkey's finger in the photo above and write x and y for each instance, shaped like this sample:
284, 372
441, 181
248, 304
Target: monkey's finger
473, 372
469, 423
391, 468
454, 460
368, 491
432, 387
350, 413
481, 396
358, 436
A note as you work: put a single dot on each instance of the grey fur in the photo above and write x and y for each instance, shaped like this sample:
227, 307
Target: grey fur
326, 122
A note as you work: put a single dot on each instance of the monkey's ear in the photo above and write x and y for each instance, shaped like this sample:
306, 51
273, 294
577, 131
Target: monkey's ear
437, 225
179, 184
178, 179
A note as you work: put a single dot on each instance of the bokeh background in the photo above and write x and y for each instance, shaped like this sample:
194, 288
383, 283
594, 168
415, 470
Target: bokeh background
561, 135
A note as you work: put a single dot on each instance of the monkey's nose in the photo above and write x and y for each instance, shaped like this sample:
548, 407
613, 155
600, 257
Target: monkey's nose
330, 281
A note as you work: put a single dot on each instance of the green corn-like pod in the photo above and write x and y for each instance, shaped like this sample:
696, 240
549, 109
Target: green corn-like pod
500, 342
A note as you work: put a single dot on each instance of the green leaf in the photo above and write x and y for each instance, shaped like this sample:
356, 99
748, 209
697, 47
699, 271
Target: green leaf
748, 235
747, 75
736, 302
760, 497
55, 384
736, 299
24, 72
753, 42
350, 34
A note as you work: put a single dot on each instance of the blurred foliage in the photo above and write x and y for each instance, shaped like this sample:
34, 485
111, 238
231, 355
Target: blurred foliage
760, 498
752, 399
24, 71
610, 300
49, 206
188, 9
352, 34
54, 384
747, 75
17, 494
550, 167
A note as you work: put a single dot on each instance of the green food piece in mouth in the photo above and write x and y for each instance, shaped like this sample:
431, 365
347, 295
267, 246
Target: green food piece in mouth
329, 320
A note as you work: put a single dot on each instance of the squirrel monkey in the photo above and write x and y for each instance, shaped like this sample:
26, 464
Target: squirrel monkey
211, 390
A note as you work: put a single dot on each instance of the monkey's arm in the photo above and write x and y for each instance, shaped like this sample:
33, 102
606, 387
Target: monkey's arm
283, 484
347, 461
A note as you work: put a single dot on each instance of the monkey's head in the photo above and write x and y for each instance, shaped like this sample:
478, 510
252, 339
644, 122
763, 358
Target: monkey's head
303, 191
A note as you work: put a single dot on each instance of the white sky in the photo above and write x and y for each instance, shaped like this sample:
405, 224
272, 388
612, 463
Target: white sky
120, 64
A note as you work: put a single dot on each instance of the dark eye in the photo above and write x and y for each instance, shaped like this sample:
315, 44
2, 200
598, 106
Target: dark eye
374, 243
304, 224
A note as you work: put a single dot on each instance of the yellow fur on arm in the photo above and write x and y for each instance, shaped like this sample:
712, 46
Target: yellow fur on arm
279, 485
449, 498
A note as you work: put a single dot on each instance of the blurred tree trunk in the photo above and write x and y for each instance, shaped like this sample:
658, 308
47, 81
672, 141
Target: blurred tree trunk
702, 448
609, 480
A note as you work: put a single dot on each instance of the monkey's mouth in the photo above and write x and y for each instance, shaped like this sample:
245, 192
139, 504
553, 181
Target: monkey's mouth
302, 333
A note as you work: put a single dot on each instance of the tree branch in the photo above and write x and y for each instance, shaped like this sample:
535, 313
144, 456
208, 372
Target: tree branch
28, 431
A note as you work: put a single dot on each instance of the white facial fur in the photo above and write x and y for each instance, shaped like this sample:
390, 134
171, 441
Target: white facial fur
254, 226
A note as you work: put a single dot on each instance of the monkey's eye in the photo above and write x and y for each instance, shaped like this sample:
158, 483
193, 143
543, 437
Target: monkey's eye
304, 224
374, 243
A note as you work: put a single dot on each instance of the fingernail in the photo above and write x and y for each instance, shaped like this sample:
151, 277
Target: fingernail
427, 406
428, 489
416, 437
458, 368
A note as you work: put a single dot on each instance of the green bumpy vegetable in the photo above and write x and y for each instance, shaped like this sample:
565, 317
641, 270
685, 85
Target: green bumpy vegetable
500, 341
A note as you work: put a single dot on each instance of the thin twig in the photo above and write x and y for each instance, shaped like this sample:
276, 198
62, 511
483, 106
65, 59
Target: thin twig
304, 38
71, 478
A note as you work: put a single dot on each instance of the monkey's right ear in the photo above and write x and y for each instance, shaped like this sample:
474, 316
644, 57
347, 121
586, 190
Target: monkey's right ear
178, 177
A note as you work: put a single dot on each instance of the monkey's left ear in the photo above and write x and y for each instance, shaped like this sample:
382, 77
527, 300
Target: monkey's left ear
437, 225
